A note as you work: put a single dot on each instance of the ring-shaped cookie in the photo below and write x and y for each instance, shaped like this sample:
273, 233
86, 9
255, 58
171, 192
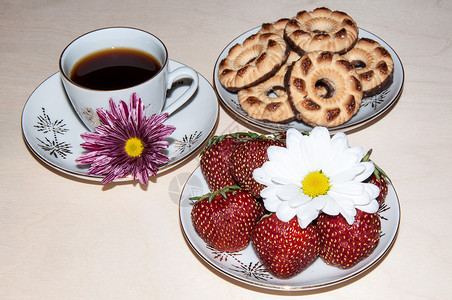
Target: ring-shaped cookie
321, 30
323, 89
291, 58
275, 27
253, 61
267, 101
373, 64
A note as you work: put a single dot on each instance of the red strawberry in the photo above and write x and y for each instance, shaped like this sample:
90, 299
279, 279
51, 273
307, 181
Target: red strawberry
380, 179
284, 247
344, 245
215, 158
381, 183
248, 156
226, 218
214, 162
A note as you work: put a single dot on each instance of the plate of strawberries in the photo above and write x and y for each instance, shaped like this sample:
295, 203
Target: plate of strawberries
228, 216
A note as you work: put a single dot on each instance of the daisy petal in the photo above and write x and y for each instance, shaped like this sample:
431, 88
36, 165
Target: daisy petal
276, 152
272, 203
284, 212
289, 191
350, 188
318, 203
261, 176
370, 208
308, 215
331, 207
349, 218
299, 200
269, 191
369, 168
372, 190
348, 175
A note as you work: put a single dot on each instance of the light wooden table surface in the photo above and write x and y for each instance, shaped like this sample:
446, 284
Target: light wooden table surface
67, 238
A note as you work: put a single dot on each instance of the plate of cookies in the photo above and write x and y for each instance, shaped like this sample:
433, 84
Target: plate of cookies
317, 68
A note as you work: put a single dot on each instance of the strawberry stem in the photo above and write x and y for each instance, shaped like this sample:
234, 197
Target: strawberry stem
378, 171
367, 156
212, 195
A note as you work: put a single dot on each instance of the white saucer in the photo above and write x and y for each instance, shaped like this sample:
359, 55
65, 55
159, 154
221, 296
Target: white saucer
52, 129
371, 107
245, 266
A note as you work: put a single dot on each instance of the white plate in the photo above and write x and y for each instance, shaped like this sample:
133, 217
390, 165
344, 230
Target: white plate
52, 129
371, 107
245, 266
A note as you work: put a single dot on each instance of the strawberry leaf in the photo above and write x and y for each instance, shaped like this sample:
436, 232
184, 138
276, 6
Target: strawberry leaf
378, 171
212, 195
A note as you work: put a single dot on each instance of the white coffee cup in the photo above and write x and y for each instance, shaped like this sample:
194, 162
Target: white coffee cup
152, 91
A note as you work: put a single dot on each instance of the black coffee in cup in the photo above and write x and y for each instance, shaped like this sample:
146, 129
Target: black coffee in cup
114, 69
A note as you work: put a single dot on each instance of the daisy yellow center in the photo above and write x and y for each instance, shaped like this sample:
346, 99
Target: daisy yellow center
134, 147
315, 184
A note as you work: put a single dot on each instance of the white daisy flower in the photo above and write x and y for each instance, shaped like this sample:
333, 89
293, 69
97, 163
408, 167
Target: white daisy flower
315, 173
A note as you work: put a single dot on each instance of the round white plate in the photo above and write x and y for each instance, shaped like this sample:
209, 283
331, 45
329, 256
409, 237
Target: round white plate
246, 267
371, 107
52, 129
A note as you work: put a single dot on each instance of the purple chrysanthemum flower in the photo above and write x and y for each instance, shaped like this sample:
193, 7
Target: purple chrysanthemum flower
127, 144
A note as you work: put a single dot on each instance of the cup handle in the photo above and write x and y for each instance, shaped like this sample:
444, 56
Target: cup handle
178, 74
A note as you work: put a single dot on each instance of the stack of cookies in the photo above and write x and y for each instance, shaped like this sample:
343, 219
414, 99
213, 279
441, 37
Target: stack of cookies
311, 68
